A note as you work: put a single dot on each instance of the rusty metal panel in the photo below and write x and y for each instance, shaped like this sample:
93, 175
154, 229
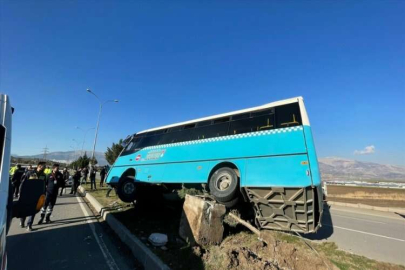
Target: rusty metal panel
286, 209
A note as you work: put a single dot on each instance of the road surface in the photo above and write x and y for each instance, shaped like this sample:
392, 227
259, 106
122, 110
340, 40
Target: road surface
373, 234
74, 240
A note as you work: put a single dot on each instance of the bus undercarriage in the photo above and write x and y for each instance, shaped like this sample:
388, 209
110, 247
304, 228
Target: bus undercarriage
286, 209
295, 209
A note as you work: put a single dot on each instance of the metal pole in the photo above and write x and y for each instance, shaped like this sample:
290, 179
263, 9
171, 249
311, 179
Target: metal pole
95, 137
98, 124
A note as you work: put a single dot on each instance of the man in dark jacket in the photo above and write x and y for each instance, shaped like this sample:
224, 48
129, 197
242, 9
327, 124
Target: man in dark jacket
102, 176
76, 181
93, 172
53, 182
34, 174
66, 175
85, 173
16, 179
29, 168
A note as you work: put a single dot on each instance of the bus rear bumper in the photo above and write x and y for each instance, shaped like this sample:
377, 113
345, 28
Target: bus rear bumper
287, 208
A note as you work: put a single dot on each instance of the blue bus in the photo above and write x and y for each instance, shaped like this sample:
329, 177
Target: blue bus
264, 155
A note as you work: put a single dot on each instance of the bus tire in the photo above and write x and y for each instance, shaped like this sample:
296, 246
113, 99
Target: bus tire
231, 203
224, 184
126, 189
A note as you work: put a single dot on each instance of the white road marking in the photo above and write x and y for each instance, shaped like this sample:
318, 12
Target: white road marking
334, 215
373, 234
368, 214
107, 255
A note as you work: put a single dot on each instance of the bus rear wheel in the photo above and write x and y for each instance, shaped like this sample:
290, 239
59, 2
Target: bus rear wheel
224, 185
126, 189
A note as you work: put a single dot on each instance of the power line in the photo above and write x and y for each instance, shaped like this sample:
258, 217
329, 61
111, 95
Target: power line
45, 151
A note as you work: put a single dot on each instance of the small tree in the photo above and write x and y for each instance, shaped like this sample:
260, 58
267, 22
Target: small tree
112, 153
93, 161
81, 162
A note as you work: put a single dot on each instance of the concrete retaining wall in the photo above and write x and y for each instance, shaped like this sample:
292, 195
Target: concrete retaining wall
140, 251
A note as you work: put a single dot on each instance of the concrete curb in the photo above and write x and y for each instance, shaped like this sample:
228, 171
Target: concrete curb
140, 251
369, 207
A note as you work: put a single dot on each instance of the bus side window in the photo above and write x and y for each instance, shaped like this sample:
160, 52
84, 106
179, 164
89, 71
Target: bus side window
212, 131
167, 138
183, 136
258, 123
240, 126
135, 143
149, 141
288, 115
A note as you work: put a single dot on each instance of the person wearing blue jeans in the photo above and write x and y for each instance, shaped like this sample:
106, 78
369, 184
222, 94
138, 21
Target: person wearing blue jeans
29, 175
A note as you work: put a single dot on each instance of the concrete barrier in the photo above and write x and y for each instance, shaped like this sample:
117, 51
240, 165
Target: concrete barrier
140, 251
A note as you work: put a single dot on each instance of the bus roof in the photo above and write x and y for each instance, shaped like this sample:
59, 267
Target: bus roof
300, 100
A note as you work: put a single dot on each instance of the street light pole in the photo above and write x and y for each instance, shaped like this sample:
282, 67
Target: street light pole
98, 123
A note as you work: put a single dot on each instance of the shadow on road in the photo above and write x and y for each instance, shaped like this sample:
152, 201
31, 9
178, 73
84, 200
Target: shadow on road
399, 214
326, 230
68, 247
64, 222
66, 203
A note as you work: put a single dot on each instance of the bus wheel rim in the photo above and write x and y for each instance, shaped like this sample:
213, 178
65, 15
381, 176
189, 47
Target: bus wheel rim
129, 188
223, 182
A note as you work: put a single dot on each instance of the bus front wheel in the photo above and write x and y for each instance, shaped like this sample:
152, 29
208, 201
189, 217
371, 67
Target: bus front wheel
126, 189
224, 184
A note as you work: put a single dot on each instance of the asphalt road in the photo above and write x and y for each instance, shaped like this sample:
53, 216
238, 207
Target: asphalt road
376, 235
74, 240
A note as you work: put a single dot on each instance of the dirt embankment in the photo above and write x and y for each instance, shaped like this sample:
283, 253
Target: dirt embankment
245, 251
240, 249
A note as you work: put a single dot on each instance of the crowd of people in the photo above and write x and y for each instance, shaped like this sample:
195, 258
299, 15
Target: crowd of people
55, 184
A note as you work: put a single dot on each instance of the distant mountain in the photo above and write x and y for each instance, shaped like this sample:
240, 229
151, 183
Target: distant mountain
334, 168
68, 156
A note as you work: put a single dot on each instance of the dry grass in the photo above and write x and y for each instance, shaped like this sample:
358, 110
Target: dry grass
374, 195
112, 202
384, 197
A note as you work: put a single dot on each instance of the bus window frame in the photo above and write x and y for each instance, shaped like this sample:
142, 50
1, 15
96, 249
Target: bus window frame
193, 128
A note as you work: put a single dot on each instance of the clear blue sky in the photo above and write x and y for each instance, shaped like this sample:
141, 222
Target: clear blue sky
169, 61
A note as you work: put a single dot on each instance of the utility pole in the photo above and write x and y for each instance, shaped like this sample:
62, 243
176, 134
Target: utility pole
45, 151
98, 124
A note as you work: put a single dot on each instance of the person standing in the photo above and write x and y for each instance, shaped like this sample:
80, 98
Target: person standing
29, 169
29, 175
85, 173
93, 178
16, 179
47, 171
12, 170
65, 174
102, 176
53, 182
76, 181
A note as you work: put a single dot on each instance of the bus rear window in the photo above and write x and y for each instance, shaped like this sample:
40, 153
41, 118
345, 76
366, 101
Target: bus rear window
288, 115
